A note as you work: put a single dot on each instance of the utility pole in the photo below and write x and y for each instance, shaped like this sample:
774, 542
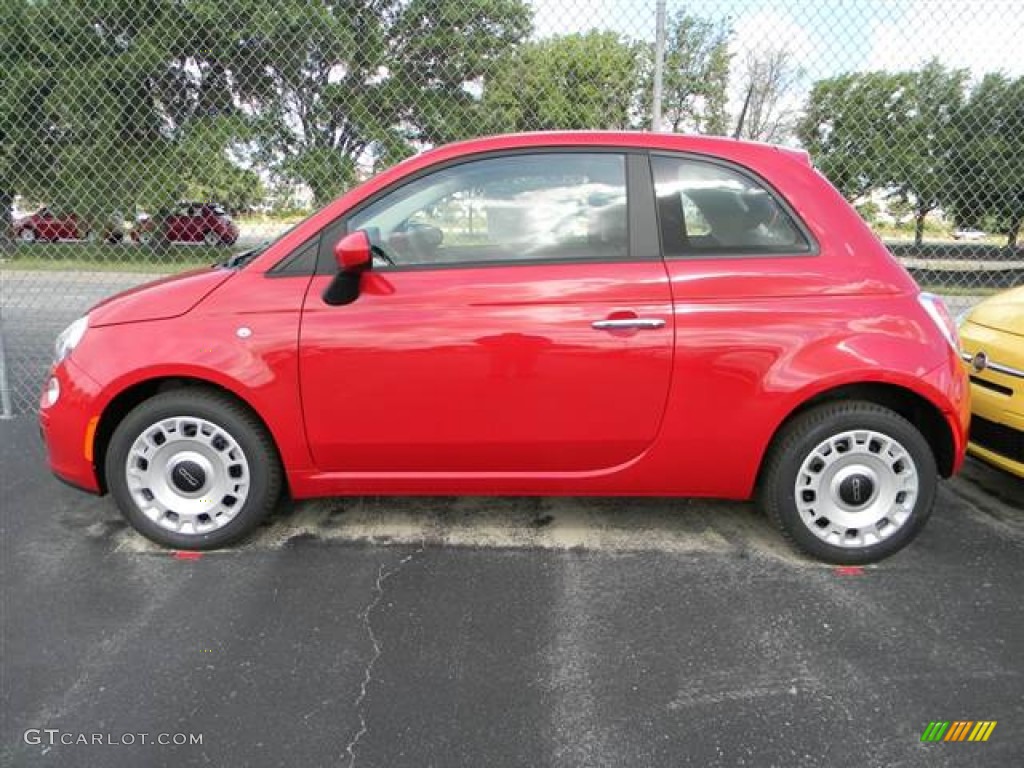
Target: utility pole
659, 63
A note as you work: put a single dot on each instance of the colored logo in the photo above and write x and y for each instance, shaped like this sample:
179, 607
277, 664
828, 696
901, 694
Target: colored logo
958, 730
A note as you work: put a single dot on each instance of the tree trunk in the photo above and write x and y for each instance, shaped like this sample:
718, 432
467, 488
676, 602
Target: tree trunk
1014, 233
919, 226
738, 133
6, 220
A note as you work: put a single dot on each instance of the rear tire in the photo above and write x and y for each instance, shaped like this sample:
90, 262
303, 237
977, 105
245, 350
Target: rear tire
27, 235
849, 482
193, 469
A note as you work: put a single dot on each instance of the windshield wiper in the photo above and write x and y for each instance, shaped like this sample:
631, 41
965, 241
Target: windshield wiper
243, 258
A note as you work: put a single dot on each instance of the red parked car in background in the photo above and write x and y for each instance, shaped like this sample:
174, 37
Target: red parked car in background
539, 314
49, 225
207, 223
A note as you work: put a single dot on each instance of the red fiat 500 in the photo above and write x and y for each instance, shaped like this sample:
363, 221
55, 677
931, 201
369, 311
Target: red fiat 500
570, 313
47, 224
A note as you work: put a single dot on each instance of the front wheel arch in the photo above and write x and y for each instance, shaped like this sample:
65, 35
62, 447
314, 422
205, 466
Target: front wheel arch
127, 400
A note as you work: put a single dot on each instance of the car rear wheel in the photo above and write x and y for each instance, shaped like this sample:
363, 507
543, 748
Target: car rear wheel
849, 482
211, 238
193, 469
27, 235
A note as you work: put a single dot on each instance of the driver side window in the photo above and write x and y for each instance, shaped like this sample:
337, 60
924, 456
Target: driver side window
543, 207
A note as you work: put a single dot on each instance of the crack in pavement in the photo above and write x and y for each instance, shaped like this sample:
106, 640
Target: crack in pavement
382, 576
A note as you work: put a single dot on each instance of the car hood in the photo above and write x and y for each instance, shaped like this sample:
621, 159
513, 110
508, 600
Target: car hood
160, 299
1002, 312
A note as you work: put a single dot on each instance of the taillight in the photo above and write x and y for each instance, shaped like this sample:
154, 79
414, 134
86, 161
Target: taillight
939, 313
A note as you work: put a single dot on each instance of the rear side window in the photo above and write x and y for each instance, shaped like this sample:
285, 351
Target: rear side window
708, 209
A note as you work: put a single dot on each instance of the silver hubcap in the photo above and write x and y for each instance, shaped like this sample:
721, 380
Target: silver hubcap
212, 238
856, 488
187, 475
27, 236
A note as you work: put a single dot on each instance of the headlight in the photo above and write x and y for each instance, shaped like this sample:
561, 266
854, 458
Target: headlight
69, 338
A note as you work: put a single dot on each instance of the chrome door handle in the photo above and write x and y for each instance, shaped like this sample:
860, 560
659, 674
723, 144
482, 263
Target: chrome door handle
628, 323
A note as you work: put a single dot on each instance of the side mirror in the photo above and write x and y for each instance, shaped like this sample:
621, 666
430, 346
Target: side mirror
352, 252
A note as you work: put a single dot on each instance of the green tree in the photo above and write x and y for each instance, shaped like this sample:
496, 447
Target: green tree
578, 81
695, 78
988, 173
28, 129
112, 104
888, 130
923, 138
116, 103
844, 127
330, 84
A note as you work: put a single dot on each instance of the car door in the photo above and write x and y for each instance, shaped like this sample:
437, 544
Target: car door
174, 224
46, 228
192, 224
524, 324
71, 228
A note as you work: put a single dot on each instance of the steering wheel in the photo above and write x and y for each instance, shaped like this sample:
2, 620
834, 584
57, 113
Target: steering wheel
415, 241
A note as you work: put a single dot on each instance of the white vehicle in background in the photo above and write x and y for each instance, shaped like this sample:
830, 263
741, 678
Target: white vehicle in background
969, 234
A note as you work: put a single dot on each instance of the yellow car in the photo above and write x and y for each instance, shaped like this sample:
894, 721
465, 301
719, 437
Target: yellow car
993, 349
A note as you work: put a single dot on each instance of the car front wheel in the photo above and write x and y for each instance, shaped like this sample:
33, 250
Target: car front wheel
193, 469
849, 482
211, 238
27, 235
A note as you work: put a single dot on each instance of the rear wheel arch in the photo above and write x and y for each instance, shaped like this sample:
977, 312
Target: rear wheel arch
912, 406
128, 399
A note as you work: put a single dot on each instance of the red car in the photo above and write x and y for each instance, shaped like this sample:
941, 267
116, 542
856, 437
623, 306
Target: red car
206, 223
46, 224
540, 314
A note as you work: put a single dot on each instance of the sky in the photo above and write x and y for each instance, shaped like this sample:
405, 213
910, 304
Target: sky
828, 37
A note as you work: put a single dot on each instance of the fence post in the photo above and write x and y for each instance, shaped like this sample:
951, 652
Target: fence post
659, 63
5, 389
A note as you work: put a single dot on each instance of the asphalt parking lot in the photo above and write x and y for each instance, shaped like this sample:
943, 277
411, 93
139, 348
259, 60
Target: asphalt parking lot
504, 632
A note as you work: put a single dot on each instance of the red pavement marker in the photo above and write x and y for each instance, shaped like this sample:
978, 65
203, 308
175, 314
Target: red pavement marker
849, 570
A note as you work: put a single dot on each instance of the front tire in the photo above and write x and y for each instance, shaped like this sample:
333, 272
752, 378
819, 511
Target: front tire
27, 235
193, 469
212, 239
849, 482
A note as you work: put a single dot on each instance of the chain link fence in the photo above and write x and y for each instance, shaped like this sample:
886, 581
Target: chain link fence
142, 137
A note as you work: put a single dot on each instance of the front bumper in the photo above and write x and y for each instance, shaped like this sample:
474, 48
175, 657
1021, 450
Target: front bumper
997, 397
68, 427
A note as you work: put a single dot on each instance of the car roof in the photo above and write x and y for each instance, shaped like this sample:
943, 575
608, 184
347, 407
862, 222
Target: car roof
677, 142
